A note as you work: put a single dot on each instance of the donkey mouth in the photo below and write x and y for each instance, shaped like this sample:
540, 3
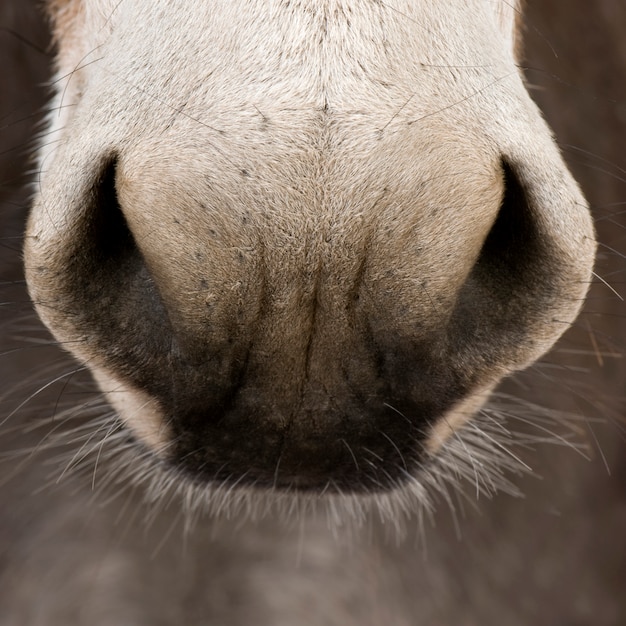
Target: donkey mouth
357, 453
323, 463
355, 433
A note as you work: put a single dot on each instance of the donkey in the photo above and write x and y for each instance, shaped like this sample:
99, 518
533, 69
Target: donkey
298, 244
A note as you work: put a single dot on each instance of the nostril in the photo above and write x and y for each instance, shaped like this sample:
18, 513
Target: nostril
107, 244
115, 303
106, 265
514, 257
518, 286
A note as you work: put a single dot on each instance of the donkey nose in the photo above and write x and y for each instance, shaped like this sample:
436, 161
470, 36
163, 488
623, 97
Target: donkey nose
311, 347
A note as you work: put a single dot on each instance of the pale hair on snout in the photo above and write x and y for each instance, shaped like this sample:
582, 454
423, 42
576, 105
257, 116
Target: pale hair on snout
298, 244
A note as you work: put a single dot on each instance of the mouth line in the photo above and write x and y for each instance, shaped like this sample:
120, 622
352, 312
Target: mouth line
335, 466
357, 482
347, 453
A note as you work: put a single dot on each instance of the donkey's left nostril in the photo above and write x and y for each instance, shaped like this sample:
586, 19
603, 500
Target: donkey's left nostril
520, 284
108, 294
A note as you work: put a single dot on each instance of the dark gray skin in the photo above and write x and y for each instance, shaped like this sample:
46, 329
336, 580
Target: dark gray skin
556, 556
